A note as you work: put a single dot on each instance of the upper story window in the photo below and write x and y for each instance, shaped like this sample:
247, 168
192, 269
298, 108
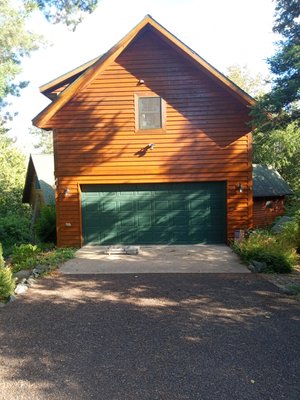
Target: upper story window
149, 112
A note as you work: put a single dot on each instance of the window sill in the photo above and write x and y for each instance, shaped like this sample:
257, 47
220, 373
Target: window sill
160, 130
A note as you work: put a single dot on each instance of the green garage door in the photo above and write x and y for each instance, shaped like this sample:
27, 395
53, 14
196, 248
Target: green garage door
176, 213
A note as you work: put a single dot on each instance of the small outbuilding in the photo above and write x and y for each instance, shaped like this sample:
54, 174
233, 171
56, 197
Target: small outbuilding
39, 189
269, 194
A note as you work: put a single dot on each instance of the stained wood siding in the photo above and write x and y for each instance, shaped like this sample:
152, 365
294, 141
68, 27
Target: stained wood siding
207, 136
264, 216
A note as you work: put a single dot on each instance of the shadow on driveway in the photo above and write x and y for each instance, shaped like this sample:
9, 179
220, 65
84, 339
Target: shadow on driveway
150, 336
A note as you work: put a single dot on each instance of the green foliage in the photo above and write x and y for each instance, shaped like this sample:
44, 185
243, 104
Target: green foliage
280, 148
14, 216
1, 257
25, 256
46, 224
29, 256
295, 288
70, 12
293, 205
15, 43
45, 141
290, 233
255, 85
14, 230
7, 283
283, 100
12, 177
58, 256
265, 247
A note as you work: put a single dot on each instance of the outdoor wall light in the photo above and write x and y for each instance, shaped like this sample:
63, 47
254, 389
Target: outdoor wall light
66, 191
141, 81
239, 188
151, 146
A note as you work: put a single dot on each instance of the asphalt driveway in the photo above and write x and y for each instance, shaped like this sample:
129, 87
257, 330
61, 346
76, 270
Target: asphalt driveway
151, 336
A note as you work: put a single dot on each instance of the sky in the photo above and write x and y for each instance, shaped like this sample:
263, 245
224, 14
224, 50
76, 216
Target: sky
223, 32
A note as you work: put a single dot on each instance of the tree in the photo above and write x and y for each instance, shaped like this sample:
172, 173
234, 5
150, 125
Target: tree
15, 42
12, 175
45, 140
70, 12
280, 148
276, 115
253, 84
284, 98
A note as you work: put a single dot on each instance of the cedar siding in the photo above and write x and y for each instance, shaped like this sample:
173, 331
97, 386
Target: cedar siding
266, 210
207, 135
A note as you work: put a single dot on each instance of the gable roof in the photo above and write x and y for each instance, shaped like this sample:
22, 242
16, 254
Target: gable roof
64, 80
267, 182
41, 166
84, 74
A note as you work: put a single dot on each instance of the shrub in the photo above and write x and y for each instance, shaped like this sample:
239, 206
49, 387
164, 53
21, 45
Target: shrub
1, 257
7, 283
14, 230
290, 233
265, 247
46, 225
58, 256
28, 256
25, 256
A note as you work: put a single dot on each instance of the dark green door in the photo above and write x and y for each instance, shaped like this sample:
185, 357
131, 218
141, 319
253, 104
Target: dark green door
176, 213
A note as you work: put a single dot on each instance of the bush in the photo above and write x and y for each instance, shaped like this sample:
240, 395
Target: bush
25, 256
290, 233
28, 256
46, 225
7, 283
1, 257
14, 230
265, 247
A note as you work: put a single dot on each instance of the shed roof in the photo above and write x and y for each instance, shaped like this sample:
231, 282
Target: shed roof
267, 182
82, 76
41, 165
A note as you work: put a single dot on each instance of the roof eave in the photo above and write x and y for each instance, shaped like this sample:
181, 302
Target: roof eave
103, 62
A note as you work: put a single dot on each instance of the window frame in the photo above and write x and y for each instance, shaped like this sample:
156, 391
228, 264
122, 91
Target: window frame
137, 96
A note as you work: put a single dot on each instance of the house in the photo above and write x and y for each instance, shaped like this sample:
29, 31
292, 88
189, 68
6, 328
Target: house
39, 183
269, 189
269, 193
151, 145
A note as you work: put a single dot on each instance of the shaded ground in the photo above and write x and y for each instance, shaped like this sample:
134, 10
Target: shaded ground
286, 281
169, 336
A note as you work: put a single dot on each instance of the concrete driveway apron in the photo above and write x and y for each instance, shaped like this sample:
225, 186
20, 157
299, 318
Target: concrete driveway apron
156, 259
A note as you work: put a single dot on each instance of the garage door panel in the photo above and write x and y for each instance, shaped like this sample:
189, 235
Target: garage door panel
144, 221
160, 205
154, 213
126, 220
180, 220
108, 205
126, 205
142, 205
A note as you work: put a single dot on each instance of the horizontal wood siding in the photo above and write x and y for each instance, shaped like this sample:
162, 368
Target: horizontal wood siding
263, 215
207, 136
